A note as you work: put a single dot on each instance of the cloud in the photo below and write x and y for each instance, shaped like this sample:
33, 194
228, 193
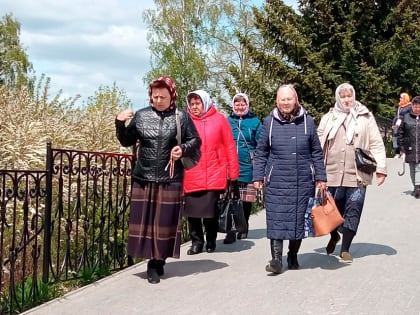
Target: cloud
82, 45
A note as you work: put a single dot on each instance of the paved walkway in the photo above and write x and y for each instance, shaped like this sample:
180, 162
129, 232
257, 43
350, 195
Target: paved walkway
383, 279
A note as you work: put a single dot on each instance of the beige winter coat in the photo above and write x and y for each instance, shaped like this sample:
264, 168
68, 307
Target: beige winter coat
366, 136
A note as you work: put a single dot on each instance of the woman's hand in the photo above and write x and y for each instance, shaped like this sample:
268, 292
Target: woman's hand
322, 186
125, 115
380, 178
258, 184
176, 153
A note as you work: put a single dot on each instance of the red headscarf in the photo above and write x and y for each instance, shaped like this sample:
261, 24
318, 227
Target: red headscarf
169, 84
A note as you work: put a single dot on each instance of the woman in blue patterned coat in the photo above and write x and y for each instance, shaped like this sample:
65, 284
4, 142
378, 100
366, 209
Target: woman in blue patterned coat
289, 160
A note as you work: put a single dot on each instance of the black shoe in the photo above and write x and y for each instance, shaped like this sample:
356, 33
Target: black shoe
274, 266
292, 262
417, 192
242, 235
195, 249
331, 244
230, 238
210, 247
152, 273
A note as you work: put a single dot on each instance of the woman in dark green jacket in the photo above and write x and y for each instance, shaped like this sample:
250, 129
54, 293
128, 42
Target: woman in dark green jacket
246, 128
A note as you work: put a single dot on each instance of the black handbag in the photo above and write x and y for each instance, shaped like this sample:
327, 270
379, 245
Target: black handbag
231, 213
365, 162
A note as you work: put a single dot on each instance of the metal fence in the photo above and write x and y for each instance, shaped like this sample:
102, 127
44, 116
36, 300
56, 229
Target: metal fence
68, 222
64, 223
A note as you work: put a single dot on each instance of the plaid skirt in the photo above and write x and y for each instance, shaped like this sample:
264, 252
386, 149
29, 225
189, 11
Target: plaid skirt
247, 192
155, 223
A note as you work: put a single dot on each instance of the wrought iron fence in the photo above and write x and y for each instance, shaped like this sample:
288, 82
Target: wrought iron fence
62, 223
68, 221
22, 197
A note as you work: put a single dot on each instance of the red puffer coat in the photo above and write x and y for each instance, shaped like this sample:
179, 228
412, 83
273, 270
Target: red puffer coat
219, 159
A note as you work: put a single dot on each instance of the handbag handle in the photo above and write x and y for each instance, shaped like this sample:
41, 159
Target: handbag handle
232, 190
235, 189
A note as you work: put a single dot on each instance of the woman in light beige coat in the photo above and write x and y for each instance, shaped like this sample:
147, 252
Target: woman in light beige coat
347, 126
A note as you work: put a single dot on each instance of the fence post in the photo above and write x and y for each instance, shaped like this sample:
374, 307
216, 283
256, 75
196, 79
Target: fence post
47, 217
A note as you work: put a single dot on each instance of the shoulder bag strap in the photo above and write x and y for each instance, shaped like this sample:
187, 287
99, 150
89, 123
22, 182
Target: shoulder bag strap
178, 127
240, 132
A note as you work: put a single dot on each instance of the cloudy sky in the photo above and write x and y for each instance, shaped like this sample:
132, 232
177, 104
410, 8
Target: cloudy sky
82, 45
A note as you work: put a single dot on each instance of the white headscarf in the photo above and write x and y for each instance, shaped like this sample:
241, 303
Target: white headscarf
246, 101
205, 98
341, 116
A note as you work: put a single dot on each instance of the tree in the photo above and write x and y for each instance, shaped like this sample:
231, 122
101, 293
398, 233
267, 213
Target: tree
196, 43
231, 60
398, 57
31, 117
29, 121
15, 68
330, 42
96, 121
177, 44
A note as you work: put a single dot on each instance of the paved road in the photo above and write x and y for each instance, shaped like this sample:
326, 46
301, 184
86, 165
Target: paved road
383, 279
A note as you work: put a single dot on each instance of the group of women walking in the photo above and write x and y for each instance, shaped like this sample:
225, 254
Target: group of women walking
286, 155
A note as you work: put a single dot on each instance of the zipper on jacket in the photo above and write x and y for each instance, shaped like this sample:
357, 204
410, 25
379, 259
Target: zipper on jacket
269, 174
312, 172
159, 148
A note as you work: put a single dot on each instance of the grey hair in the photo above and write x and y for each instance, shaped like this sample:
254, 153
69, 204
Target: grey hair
292, 88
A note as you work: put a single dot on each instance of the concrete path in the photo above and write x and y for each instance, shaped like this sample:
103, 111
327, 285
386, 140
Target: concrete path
383, 279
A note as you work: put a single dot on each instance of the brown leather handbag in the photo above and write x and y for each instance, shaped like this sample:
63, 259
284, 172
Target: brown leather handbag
326, 217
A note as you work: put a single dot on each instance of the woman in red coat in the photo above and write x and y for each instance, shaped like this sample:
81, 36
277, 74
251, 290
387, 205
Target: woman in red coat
204, 183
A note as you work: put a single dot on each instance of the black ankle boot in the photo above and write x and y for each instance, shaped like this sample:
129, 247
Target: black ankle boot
417, 191
210, 246
159, 267
152, 273
334, 239
230, 238
195, 249
292, 261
